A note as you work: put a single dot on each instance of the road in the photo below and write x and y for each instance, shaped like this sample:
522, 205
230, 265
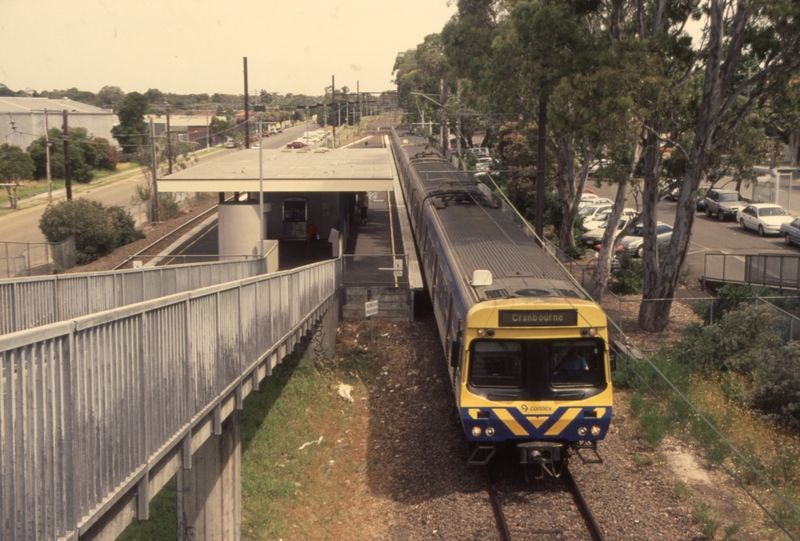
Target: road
23, 225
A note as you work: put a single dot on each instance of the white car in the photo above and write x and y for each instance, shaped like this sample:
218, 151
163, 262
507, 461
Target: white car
595, 236
601, 218
591, 201
765, 218
592, 211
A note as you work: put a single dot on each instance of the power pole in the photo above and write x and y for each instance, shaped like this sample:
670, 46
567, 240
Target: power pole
169, 143
154, 166
246, 110
333, 103
47, 144
67, 165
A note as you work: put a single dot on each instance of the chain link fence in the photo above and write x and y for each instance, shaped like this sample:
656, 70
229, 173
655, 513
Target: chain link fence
35, 258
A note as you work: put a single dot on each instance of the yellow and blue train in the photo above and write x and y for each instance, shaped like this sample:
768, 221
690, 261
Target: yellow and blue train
527, 349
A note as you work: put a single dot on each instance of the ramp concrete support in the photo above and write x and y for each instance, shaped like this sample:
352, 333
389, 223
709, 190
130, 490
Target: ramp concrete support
209, 494
324, 339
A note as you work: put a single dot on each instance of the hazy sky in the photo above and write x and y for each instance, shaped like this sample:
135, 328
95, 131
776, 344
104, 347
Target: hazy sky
198, 46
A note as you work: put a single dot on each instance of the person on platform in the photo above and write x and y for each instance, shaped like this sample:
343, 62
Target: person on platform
312, 236
363, 205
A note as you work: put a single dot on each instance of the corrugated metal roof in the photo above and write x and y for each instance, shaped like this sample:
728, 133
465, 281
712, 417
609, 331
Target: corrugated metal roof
28, 105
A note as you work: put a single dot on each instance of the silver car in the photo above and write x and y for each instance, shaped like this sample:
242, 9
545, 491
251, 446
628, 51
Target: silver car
633, 242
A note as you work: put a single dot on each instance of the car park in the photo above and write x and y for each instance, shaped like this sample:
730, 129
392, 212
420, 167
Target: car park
791, 232
723, 203
633, 242
766, 218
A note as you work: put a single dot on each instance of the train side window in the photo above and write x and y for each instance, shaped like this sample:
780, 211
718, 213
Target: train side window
496, 363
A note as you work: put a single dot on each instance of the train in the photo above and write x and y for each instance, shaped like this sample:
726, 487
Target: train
527, 349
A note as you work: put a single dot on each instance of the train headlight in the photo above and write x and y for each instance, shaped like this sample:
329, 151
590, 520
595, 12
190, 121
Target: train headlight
582, 430
476, 431
490, 431
485, 332
596, 430
591, 331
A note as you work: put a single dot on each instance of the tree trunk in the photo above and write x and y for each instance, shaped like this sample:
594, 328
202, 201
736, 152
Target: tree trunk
659, 287
608, 246
567, 191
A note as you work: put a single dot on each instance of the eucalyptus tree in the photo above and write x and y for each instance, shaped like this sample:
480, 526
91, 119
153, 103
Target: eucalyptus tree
768, 34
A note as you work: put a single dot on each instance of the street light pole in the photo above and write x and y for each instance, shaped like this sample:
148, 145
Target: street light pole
260, 188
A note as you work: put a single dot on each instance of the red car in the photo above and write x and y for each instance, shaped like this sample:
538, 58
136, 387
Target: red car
296, 144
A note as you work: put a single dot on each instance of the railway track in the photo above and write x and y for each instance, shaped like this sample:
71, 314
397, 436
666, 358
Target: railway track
165, 241
513, 500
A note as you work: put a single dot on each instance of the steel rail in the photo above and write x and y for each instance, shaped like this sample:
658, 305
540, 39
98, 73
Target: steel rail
497, 506
171, 233
594, 527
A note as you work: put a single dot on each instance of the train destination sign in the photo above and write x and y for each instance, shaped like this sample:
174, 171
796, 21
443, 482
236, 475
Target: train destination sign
538, 318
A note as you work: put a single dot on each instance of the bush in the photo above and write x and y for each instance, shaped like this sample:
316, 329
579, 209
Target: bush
628, 279
777, 394
97, 230
728, 298
168, 208
737, 343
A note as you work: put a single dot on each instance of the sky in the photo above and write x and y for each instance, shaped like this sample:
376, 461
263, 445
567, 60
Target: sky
198, 46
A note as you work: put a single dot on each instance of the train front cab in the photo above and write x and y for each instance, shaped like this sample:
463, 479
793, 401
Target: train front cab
521, 383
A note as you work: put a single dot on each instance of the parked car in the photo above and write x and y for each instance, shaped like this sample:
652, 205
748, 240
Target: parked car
296, 144
485, 164
701, 199
599, 220
633, 242
592, 211
765, 218
592, 201
724, 203
791, 232
593, 237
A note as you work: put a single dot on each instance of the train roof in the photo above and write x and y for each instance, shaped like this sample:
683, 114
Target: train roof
480, 236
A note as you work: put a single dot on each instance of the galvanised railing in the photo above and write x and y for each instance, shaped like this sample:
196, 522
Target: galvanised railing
30, 302
90, 405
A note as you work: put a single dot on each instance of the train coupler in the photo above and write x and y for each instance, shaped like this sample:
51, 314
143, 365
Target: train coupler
540, 452
482, 454
587, 452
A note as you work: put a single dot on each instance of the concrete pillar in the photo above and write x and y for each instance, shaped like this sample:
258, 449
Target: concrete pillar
210, 494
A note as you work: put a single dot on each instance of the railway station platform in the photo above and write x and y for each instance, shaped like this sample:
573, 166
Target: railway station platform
379, 259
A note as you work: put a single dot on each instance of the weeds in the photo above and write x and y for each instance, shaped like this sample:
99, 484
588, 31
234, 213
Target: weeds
682, 491
703, 515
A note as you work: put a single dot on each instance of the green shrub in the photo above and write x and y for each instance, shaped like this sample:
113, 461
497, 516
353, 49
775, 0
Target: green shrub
777, 393
97, 230
168, 207
736, 343
728, 298
628, 279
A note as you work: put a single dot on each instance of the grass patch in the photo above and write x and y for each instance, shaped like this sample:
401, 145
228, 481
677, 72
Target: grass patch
294, 491
304, 454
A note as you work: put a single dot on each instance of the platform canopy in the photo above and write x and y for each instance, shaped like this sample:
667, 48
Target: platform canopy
341, 170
